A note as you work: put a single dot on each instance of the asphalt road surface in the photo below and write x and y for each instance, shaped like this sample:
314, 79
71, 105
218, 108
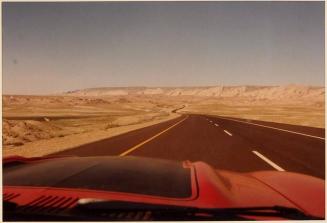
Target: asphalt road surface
225, 143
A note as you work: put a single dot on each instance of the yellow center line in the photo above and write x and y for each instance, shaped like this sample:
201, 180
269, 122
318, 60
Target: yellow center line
148, 140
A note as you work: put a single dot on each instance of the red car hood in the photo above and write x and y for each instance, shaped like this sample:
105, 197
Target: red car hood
61, 182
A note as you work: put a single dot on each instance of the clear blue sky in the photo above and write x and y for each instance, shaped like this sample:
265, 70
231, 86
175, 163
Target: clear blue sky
54, 47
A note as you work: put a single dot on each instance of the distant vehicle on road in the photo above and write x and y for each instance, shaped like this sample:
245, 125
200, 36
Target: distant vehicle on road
111, 188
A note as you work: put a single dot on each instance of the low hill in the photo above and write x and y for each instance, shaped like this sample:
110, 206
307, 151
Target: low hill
288, 93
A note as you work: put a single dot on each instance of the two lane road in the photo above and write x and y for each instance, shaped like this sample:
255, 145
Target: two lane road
224, 143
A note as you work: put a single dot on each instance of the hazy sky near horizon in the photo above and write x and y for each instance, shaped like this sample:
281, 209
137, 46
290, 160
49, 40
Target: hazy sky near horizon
55, 47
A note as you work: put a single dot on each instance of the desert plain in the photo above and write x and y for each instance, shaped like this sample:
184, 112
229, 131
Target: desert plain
37, 125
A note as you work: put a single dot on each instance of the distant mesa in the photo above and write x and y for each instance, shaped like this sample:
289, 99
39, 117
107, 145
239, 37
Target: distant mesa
252, 92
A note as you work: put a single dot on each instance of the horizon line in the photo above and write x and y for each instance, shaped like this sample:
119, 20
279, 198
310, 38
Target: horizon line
149, 87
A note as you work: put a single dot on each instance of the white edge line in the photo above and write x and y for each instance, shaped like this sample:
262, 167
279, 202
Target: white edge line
216, 125
228, 132
284, 130
271, 163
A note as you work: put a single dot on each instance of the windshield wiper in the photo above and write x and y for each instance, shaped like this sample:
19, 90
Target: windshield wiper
271, 211
97, 205
97, 209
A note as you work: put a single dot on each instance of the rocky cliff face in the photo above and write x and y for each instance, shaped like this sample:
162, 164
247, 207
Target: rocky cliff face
254, 92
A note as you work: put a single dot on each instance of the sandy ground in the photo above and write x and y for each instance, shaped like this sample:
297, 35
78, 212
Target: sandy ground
298, 114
